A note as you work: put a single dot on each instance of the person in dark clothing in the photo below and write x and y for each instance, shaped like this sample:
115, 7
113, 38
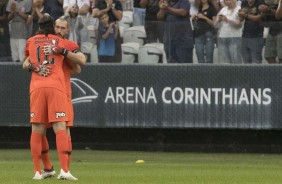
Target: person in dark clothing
4, 32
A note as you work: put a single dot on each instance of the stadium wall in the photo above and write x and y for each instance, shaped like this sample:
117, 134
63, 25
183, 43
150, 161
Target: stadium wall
163, 107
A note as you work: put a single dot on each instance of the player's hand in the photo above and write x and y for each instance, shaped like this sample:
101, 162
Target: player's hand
40, 69
54, 49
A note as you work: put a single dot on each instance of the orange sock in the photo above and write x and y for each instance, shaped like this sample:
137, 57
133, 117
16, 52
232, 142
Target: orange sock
36, 148
45, 154
62, 148
70, 150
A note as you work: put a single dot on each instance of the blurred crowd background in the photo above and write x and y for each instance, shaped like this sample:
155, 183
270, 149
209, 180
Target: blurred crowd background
153, 31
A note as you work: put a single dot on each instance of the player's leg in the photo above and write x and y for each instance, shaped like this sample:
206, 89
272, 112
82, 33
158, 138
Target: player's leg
62, 143
48, 170
58, 103
69, 125
38, 115
36, 148
62, 148
69, 146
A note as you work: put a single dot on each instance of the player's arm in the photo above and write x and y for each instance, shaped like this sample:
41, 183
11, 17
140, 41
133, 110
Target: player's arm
26, 63
42, 70
75, 68
75, 56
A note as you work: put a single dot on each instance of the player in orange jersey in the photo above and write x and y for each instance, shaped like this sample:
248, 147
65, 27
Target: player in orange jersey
48, 99
70, 67
74, 59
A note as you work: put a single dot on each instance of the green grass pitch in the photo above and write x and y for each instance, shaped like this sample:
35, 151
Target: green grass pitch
119, 167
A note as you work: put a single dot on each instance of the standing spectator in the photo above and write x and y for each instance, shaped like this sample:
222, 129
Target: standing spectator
19, 30
204, 31
114, 10
278, 14
273, 43
108, 32
56, 8
138, 14
4, 32
153, 29
38, 10
83, 12
252, 38
178, 34
112, 7
75, 24
222, 3
84, 6
229, 33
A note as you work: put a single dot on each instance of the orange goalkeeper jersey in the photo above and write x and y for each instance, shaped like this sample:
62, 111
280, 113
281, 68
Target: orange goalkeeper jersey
34, 49
73, 47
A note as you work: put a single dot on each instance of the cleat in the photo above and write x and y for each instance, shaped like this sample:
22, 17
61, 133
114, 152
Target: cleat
48, 173
66, 176
37, 176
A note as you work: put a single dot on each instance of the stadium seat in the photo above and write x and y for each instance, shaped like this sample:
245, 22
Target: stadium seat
130, 52
152, 53
125, 22
135, 34
90, 48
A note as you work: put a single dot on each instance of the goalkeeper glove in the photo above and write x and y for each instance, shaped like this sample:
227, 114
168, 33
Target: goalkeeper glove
55, 49
41, 70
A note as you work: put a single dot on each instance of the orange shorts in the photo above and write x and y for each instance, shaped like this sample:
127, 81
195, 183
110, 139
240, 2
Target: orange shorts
48, 105
71, 113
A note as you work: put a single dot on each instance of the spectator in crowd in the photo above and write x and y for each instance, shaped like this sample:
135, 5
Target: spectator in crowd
75, 24
19, 29
112, 7
273, 43
153, 28
204, 31
115, 12
38, 9
108, 33
178, 35
252, 37
83, 15
229, 33
84, 6
138, 14
56, 8
4, 31
278, 14
222, 3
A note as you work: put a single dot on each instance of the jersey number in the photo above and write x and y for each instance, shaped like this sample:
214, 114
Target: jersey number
46, 56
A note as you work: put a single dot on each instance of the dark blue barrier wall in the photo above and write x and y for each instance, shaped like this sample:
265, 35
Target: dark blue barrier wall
159, 96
